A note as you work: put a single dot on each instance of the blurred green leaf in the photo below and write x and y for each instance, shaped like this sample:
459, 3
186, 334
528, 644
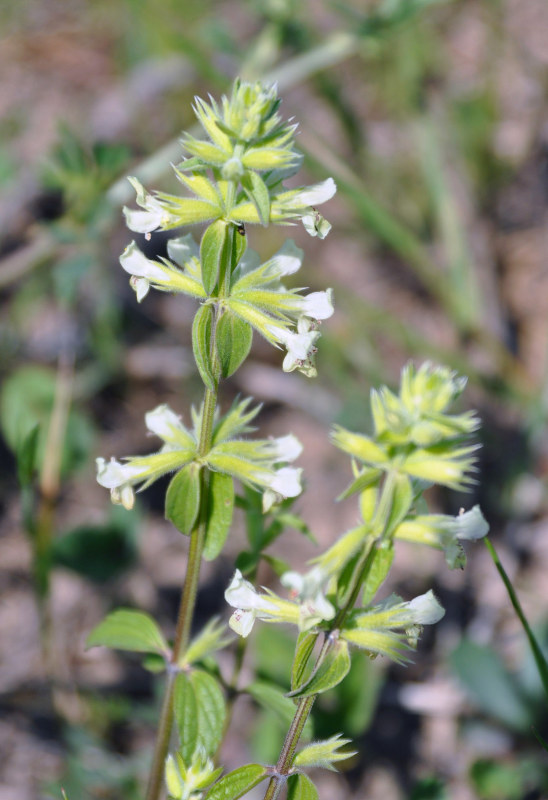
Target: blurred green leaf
98, 552
127, 629
429, 789
27, 399
494, 690
26, 456
492, 780
273, 699
221, 509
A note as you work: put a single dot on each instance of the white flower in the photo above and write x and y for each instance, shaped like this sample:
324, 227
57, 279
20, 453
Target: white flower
249, 604
152, 217
309, 591
315, 195
140, 286
118, 478
316, 225
425, 609
285, 482
145, 272
134, 261
300, 347
471, 525
286, 448
318, 305
287, 260
165, 423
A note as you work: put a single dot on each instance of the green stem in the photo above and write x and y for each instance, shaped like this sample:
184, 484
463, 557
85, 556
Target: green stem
305, 705
192, 577
538, 655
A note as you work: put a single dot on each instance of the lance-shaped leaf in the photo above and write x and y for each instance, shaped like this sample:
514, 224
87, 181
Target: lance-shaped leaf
183, 498
378, 571
300, 787
126, 629
220, 511
201, 345
333, 668
200, 713
304, 649
323, 754
237, 783
366, 478
211, 711
256, 190
211, 250
185, 709
233, 338
400, 503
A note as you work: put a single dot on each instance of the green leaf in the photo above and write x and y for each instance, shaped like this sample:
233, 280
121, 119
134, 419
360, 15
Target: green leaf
27, 456
211, 250
126, 629
183, 498
402, 498
27, 399
495, 691
237, 783
378, 572
303, 651
233, 337
329, 673
300, 787
367, 477
185, 709
219, 517
98, 552
211, 711
271, 698
256, 190
201, 345
492, 780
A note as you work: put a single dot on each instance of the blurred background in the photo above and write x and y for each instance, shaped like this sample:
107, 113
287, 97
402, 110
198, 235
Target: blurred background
433, 119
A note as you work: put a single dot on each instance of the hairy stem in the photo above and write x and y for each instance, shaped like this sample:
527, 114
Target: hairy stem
306, 704
192, 576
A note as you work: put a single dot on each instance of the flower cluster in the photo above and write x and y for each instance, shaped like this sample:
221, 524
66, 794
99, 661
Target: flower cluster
233, 178
392, 626
260, 463
188, 783
308, 608
414, 435
256, 294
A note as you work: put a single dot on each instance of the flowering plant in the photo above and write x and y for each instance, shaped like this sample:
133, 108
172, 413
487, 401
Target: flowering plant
235, 177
